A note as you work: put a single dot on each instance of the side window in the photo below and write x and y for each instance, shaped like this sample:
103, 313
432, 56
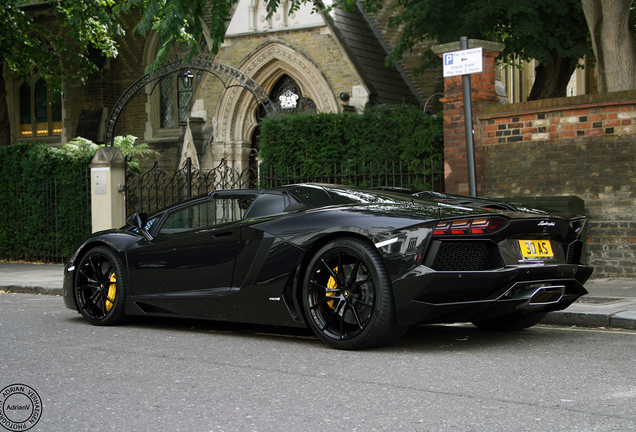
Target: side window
206, 214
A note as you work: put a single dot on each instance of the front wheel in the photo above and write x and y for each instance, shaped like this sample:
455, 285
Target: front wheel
99, 287
511, 323
347, 296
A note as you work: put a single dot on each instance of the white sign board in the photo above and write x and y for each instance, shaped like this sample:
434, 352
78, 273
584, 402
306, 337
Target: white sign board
464, 62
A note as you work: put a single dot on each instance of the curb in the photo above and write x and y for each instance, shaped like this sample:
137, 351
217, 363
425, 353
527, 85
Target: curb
624, 320
17, 289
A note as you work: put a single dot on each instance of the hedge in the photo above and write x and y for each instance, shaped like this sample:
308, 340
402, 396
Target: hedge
313, 143
45, 201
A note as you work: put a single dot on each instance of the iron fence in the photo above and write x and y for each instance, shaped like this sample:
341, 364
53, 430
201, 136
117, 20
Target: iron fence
420, 175
157, 188
49, 220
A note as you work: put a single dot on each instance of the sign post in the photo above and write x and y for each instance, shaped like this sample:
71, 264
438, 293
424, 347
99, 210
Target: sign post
466, 62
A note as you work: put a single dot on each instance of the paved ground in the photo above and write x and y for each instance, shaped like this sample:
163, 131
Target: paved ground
610, 303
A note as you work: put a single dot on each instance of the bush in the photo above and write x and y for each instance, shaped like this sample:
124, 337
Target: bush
83, 147
312, 144
45, 197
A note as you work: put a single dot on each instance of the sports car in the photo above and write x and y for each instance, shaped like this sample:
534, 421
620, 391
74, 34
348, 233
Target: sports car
357, 266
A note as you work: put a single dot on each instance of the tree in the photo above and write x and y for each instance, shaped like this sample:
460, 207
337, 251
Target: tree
181, 22
552, 32
613, 42
30, 46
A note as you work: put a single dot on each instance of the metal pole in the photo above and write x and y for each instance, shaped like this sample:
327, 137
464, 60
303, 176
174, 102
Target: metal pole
189, 176
468, 126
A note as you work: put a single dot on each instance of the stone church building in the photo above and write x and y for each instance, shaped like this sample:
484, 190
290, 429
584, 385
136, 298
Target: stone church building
329, 62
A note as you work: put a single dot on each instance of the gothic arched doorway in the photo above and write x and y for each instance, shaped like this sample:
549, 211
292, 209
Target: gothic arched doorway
287, 98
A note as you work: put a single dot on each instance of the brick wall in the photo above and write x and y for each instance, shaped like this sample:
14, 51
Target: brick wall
103, 88
483, 96
583, 146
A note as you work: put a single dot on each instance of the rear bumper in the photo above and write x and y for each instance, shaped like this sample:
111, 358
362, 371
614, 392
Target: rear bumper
427, 296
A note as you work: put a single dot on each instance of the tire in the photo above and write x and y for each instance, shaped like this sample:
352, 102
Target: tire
99, 287
347, 296
511, 323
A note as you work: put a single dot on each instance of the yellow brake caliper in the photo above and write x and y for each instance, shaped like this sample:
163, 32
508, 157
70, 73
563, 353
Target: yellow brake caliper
112, 290
332, 285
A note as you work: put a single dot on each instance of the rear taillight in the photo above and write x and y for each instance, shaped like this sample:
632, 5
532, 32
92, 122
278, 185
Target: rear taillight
578, 225
470, 226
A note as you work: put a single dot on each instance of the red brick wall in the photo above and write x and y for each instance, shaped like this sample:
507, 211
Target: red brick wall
483, 95
583, 146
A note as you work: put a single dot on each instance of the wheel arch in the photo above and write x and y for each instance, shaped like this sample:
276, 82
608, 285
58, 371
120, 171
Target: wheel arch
309, 254
117, 248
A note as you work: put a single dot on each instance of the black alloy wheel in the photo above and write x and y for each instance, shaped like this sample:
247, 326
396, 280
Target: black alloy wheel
347, 296
99, 287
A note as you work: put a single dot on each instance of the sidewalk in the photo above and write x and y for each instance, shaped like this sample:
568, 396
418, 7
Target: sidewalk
610, 302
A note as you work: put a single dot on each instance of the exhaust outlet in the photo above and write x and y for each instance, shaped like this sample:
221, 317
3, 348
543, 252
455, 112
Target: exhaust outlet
547, 295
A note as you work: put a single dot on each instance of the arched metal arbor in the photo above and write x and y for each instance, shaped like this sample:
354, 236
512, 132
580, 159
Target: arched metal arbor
229, 76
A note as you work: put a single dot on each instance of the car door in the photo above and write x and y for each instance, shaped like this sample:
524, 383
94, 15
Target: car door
191, 257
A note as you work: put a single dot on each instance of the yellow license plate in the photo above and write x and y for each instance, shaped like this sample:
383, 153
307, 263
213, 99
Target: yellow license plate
536, 248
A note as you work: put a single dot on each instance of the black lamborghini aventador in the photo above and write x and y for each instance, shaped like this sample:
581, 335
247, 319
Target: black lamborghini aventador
357, 266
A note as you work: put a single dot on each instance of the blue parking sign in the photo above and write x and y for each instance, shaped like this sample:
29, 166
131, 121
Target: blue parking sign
448, 59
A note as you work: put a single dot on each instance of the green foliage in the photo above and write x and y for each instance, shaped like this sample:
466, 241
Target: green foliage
129, 148
27, 44
313, 144
45, 197
181, 22
530, 29
544, 30
82, 146
552, 32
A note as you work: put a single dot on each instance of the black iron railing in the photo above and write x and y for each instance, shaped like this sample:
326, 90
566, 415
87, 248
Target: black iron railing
157, 188
420, 175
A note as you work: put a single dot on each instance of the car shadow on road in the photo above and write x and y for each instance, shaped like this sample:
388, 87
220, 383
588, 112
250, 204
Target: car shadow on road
466, 337
427, 338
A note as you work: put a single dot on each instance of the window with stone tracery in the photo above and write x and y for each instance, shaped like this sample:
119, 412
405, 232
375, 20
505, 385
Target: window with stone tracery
175, 99
288, 97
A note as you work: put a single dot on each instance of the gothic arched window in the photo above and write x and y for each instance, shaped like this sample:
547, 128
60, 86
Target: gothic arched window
288, 98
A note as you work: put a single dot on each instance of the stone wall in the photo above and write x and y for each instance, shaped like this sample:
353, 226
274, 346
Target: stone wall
583, 146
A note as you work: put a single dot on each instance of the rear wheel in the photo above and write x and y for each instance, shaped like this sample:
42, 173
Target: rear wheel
99, 287
347, 296
511, 323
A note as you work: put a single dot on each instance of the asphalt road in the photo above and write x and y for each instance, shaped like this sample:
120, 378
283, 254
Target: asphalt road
174, 375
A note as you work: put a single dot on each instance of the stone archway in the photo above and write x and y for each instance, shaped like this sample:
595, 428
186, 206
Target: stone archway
235, 117
230, 77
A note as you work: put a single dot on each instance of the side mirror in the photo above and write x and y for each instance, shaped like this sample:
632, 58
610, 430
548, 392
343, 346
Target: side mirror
139, 221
